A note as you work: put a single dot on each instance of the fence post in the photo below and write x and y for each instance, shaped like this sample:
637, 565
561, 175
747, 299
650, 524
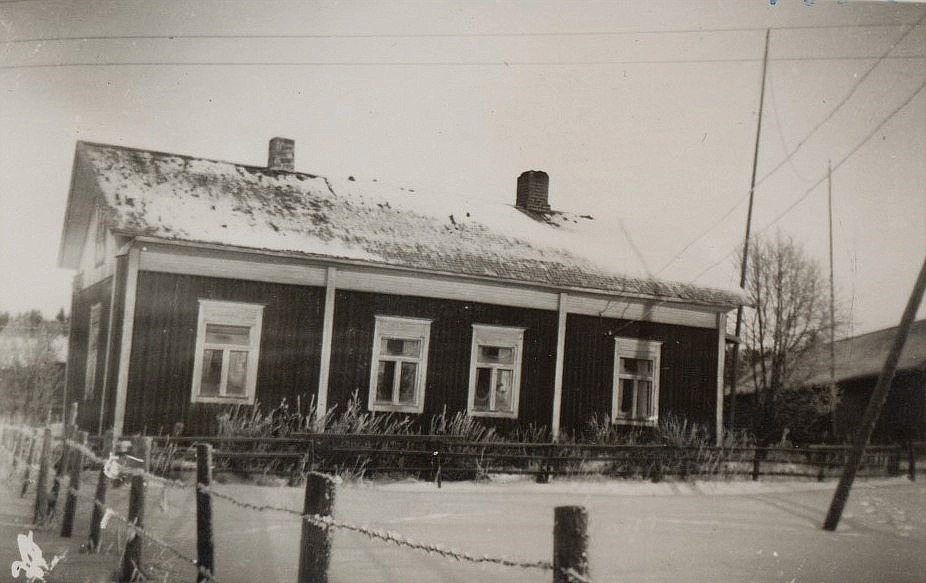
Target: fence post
102, 485
17, 441
911, 461
131, 558
570, 543
70, 431
315, 550
205, 550
70, 502
41, 482
757, 463
29, 461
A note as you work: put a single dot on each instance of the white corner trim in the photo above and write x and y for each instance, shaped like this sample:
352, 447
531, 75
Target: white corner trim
324, 372
560, 359
125, 349
721, 364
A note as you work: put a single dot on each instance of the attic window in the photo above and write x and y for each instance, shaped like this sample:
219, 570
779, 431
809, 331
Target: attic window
399, 364
93, 343
99, 249
227, 351
495, 371
635, 398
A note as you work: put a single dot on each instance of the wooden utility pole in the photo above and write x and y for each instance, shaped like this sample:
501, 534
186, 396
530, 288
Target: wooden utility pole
745, 260
833, 390
878, 397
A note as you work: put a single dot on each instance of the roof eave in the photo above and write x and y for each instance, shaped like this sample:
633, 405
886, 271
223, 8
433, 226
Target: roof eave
718, 307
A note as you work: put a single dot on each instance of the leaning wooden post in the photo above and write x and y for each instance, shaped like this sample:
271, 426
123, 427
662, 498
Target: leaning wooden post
17, 444
131, 558
315, 550
70, 502
205, 549
878, 397
41, 482
30, 459
570, 543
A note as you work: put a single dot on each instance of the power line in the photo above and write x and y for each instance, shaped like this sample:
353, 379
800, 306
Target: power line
788, 157
415, 35
813, 187
499, 63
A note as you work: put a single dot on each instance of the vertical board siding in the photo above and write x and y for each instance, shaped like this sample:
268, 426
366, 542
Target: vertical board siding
688, 375
903, 416
88, 410
161, 372
447, 382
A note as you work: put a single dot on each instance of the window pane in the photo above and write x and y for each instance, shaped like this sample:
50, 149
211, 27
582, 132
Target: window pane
212, 372
644, 399
400, 347
234, 335
407, 381
626, 403
385, 379
483, 380
503, 390
637, 366
237, 373
496, 354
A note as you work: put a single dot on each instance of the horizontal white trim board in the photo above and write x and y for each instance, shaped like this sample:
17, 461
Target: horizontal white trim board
212, 263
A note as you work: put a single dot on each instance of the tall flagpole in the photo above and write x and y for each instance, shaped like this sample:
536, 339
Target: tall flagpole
745, 259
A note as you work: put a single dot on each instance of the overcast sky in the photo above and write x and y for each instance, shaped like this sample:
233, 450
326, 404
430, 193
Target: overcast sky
642, 112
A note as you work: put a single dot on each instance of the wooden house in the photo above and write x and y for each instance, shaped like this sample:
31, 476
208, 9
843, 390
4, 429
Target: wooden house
204, 283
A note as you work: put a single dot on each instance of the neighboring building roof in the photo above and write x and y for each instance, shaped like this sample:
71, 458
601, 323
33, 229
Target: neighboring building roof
864, 355
180, 198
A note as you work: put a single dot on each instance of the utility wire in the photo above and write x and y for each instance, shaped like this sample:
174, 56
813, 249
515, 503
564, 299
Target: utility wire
498, 63
885, 55
413, 35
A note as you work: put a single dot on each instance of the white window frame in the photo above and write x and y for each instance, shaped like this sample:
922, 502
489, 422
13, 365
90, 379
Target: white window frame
93, 348
227, 314
396, 327
502, 337
642, 349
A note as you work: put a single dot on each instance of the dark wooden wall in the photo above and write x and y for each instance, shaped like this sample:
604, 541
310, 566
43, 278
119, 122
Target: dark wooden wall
81, 302
449, 351
903, 416
688, 375
161, 372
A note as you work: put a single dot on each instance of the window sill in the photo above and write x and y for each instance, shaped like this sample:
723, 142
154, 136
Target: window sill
496, 415
386, 408
226, 400
636, 422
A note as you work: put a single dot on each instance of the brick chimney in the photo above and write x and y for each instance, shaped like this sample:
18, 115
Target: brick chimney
282, 154
533, 191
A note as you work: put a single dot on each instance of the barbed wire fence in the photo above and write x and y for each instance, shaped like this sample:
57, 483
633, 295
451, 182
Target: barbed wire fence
573, 543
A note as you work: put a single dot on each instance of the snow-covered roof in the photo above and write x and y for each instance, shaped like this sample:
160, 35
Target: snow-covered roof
181, 198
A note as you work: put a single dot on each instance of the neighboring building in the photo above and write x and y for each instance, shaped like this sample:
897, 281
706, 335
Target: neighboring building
204, 283
858, 360
858, 364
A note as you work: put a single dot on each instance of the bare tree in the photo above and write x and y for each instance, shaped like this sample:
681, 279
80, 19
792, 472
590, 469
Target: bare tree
31, 367
789, 316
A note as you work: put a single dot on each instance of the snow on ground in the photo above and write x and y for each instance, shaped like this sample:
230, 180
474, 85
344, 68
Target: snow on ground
639, 531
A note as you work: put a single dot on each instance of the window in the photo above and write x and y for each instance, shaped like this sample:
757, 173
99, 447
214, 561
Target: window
93, 343
495, 371
227, 347
99, 249
636, 381
399, 364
